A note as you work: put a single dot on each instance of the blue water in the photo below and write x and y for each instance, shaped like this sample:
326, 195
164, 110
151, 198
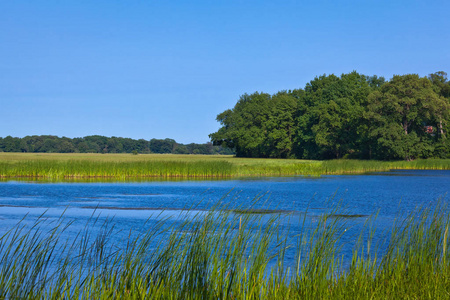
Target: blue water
391, 195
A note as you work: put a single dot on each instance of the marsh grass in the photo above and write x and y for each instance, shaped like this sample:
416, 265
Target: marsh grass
349, 166
87, 169
151, 166
222, 254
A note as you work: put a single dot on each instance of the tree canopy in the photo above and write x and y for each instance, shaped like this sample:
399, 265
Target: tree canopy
350, 116
103, 144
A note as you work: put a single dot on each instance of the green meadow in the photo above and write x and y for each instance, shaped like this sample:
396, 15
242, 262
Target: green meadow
226, 255
122, 166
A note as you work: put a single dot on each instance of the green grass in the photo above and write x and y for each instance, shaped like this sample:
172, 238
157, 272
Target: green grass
223, 255
123, 166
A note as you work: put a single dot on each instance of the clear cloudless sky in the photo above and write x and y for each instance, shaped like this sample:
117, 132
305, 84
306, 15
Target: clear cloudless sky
165, 69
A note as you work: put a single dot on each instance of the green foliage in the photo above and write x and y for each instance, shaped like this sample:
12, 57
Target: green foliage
245, 126
351, 116
399, 112
280, 126
259, 125
102, 144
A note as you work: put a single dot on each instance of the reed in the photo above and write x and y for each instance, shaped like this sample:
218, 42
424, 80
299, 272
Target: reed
221, 254
349, 166
121, 167
87, 169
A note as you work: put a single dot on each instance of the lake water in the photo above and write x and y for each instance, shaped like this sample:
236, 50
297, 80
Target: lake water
391, 195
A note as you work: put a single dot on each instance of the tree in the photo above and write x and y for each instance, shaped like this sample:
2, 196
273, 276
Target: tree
408, 103
441, 86
280, 125
329, 116
244, 127
162, 146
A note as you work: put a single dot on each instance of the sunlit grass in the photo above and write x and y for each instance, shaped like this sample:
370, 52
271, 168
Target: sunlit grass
226, 255
122, 166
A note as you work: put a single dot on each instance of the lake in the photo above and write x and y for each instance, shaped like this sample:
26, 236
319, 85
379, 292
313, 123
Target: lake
133, 205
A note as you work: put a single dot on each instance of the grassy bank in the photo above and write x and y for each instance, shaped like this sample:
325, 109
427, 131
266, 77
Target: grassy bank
120, 166
225, 255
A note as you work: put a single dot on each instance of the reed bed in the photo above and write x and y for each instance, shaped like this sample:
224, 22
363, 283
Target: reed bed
225, 255
349, 166
71, 166
80, 169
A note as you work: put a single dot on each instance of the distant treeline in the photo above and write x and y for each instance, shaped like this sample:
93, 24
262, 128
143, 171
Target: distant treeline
351, 116
103, 144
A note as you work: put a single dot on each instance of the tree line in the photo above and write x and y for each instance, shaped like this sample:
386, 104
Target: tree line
103, 144
347, 116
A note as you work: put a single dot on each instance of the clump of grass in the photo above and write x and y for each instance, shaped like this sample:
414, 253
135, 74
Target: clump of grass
224, 255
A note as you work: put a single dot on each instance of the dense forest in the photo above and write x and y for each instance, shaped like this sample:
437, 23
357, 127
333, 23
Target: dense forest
102, 144
351, 116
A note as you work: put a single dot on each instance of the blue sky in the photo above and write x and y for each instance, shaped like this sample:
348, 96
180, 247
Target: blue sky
157, 69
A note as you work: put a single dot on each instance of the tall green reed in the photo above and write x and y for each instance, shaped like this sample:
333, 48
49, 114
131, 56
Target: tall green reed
78, 169
186, 167
224, 254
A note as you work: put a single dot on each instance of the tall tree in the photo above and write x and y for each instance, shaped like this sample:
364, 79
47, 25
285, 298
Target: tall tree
329, 115
244, 127
280, 125
441, 86
404, 104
